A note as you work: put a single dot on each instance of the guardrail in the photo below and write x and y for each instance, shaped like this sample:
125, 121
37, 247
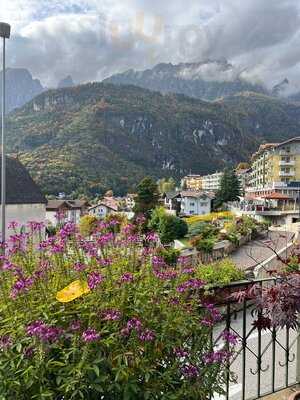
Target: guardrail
266, 361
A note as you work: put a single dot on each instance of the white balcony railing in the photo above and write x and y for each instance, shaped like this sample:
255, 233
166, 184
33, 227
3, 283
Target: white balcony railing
291, 173
287, 163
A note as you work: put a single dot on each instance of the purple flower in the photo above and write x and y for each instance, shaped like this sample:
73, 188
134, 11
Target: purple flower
105, 239
111, 315
230, 338
67, 230
22, 285
127, 277
5, 342
13, 225
79, 267
180, 352
94, 280
134, 323
104, 262
189, 270
90, 335
147, 335
44, 332
151, 237
190, 284
166, 275
216, 357
35, 226
190, 371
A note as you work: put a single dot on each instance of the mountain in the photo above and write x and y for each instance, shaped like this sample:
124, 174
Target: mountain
20, 87
66, 82
207, 80
94, 137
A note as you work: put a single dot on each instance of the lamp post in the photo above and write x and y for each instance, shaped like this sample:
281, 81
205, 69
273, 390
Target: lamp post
4, 34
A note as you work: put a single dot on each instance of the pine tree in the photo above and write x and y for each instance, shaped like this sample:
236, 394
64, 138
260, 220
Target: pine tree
147, 197
229, 188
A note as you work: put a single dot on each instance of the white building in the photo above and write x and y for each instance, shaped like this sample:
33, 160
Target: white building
24, 199
212, 182
102, 210
195, 203
62, 211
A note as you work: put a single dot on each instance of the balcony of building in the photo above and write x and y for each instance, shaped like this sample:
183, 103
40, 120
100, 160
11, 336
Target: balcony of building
287, 163
287, 173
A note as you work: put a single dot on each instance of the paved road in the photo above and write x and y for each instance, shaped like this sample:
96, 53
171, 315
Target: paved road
251, 361
256, 252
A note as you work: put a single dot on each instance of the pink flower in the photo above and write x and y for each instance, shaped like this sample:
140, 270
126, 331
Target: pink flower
90, 335
94, 280
147, 335
127, 277
111, 315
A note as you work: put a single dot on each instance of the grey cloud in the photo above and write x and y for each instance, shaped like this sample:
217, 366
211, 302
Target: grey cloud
260, 37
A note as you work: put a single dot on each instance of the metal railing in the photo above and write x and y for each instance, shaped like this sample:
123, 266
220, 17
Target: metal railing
265, 361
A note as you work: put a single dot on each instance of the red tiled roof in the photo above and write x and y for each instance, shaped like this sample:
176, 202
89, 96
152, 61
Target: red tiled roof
276, 196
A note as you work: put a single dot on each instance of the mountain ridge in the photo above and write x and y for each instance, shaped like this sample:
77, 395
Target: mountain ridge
93, 137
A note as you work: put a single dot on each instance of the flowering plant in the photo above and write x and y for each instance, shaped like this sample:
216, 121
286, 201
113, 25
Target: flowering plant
104, 318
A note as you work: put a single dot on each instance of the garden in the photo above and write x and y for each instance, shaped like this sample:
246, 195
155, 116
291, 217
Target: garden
109, 315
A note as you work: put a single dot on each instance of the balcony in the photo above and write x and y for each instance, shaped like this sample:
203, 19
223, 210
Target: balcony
291, 173
287, 163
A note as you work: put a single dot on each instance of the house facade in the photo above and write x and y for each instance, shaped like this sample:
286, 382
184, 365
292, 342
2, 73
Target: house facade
195, 203
24, 199
66, 210
102, 210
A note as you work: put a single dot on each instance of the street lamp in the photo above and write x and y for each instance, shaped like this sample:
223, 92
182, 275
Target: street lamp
4, 34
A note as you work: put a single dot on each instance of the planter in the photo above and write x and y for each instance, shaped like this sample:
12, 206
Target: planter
295, 396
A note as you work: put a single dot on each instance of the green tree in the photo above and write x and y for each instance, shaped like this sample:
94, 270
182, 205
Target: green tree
167, 226
166, 185
229, 188
147, 197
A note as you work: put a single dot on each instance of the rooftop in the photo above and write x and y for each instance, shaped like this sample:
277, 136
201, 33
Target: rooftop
20, 187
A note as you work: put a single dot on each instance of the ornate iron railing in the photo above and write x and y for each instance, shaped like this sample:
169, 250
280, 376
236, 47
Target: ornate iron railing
265, 361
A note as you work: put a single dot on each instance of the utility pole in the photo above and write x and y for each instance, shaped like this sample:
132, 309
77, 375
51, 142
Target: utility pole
4, 34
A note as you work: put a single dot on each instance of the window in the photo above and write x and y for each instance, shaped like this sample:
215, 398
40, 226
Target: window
203, 204
191, 212
192, 204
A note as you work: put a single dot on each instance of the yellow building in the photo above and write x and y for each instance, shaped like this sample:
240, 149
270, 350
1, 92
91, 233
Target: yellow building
276, 168
192, 182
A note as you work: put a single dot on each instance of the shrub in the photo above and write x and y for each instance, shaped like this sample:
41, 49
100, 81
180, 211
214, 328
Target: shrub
87, 225
103, 318
167, 226
170, 256
220, 273
203, 244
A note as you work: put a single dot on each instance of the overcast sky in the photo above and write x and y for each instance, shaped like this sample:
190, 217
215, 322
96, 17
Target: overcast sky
92, 39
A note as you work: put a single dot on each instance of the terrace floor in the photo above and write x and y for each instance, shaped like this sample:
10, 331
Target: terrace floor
282, 395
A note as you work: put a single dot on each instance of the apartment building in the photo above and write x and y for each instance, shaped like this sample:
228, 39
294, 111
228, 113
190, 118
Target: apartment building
192, 182
212, 182
276, 168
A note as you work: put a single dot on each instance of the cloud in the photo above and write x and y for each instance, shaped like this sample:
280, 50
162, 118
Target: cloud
91, 40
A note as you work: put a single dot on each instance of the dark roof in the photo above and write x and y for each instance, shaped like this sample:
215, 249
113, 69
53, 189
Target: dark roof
56, 204
20, 187
69, 204
171, 195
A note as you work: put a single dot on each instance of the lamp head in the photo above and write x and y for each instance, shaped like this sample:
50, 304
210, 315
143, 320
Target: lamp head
4, 30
